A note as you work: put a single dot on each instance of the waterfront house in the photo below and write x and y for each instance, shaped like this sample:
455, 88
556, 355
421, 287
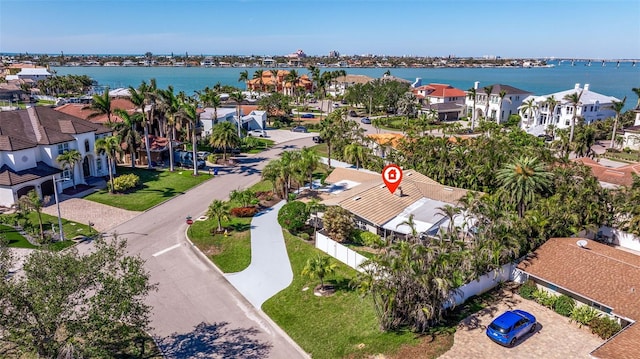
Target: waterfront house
279, 83
342, 83
377, 210
500, 108
31, 140
597, 275
611, 177
592, 107
632, 134
254, 120
446, 100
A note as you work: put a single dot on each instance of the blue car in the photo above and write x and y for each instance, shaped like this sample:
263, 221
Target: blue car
308, 115
511, 326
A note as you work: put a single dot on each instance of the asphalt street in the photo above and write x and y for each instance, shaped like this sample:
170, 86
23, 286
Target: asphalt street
196, 311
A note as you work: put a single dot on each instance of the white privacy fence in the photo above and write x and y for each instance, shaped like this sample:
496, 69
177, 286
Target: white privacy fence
345, 255
483, 284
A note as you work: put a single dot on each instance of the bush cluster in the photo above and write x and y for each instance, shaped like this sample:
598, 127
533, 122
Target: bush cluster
584, 314
564, 305
293, 216
604, 327
527, 289
244, 211
545, 298
366, 238
124, 183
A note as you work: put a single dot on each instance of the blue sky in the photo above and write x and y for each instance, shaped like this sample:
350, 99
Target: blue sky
508, 28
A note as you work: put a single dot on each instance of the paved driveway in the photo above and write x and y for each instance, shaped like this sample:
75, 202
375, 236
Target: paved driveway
555, 337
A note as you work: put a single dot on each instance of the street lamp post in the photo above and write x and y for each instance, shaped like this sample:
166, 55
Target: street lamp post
55, 193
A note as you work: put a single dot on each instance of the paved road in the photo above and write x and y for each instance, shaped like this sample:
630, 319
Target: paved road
270, 268
196, 311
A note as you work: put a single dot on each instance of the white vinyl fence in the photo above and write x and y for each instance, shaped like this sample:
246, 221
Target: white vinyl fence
345, 255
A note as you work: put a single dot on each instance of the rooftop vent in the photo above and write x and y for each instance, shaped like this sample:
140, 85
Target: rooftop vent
448, 189
356, 198
582, 243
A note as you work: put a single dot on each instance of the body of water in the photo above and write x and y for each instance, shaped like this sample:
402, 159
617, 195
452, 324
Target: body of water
610, 80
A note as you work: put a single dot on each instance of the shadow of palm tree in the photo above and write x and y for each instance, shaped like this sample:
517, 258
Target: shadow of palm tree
214, 341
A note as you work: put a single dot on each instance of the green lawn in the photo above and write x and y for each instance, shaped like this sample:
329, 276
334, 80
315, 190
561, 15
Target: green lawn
14, 238
321, 149
71, 229
343, 325
157, 187
230, 253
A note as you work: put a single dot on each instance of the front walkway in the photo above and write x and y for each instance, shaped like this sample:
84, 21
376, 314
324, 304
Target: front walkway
270, 268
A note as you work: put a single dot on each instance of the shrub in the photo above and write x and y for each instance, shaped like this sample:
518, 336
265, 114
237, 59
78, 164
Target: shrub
371, 239
564, 305
338, 222
527, 289
583, 314
124, 183
304, 236
244, 211
545, 298
604, 327
293, 216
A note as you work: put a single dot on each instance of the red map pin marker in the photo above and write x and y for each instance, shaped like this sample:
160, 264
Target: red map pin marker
392, 176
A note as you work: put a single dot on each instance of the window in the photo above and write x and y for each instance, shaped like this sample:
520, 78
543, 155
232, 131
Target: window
62, 148
66, 173
86, 146
99, 165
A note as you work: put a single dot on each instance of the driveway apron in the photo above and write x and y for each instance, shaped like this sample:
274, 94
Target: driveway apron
270, 269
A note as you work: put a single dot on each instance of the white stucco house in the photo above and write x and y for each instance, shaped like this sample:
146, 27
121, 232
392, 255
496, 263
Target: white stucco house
499, 109
632, 134
592, 107
254, 120
35, 74
30, 142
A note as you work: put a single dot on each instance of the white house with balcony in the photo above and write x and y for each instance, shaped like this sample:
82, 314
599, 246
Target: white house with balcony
499, 107
30, 142
254, 120
538, 117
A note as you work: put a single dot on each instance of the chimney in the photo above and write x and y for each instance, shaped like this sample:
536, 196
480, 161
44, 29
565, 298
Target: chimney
399, 191
576, 87
476, 85
586, 87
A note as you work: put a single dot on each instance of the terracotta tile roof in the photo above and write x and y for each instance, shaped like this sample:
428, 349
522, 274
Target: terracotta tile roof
9, 177
81, 110
392, 139
621, 176
375, 204
441, 90
600, 273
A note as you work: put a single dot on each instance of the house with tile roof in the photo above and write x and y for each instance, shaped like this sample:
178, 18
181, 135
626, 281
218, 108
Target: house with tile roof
499, 108
278, 83
592, 107
377, 210
382, 143
632, 134
597, 275
446, 100
610, 177
30, 142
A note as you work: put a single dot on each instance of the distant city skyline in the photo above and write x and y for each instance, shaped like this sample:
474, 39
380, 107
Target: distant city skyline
607, 29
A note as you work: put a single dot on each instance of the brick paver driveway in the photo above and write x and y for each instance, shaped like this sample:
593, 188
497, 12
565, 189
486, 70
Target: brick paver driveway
554, 337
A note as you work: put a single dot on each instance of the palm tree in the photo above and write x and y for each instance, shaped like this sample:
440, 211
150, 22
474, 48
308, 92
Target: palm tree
109, 146
274, 75
308, 162
319, 266
293, 78
413, 230
220, 211
142, 97
355, 152
529, 107
211, 98
170, 105
101, 105
126, 130
502, 95
244, 76
189, 113
258, 75
574, 100
70, 159
551, 104
238, 97
224, 136
473, 93
617, 107
522, 179
487, 90
32, 202
314, 206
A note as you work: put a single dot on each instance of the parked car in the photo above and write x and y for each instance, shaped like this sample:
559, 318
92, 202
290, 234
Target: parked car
185, 159
300, 129
366, 120
510, 326
353, 113
308, 115
318, 139
257, 133
336, 105
202, 155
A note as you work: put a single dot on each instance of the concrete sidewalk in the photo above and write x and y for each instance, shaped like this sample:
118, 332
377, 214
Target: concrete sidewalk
270, 268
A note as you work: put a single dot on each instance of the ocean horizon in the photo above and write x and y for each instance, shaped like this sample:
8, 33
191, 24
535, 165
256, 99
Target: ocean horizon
609, 80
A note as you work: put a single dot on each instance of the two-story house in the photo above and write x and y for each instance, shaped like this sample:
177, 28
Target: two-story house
446, 100
591, 107
30, 142
503, 101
